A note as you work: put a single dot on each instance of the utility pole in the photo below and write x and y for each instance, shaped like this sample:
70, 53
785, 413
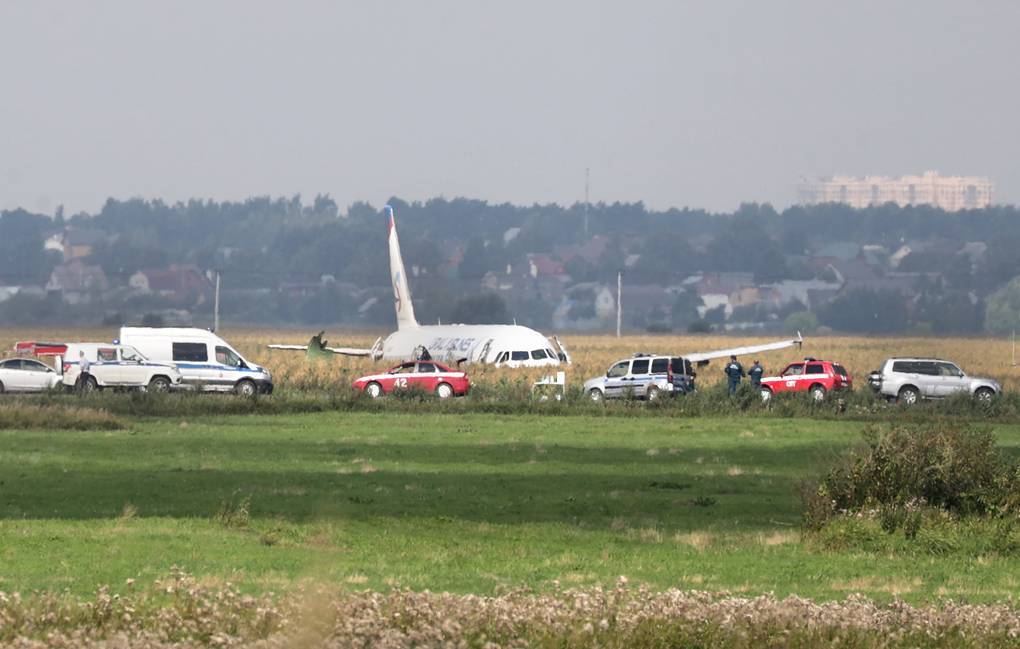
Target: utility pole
216, 304
587, 171
619, 301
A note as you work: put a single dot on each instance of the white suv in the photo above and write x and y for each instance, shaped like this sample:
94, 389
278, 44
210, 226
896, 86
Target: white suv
117, 366
642, 377
909, 380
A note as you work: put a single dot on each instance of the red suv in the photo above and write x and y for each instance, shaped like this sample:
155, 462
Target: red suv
813, 376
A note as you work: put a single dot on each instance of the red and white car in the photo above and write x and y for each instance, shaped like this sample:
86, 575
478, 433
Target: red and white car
427, 376
813, 376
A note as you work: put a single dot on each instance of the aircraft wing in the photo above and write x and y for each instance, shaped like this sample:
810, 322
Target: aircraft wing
704, 357
346, 351
318, 347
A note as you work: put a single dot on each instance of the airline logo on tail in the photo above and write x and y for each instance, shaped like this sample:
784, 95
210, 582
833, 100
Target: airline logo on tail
401, 292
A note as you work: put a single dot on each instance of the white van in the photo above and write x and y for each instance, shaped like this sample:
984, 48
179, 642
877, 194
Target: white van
207, 361
115, 365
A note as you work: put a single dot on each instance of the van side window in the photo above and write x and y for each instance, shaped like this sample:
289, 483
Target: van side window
107, 355
190, 352
660, 365
639, 366
226, 356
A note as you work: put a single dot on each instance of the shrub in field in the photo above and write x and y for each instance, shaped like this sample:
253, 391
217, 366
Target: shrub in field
923, 479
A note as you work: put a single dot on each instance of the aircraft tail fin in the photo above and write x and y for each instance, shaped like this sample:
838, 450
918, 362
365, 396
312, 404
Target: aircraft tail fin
401, 291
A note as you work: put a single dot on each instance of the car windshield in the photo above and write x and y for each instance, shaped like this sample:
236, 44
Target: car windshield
794, 370
227, 356
620, 369
130, 354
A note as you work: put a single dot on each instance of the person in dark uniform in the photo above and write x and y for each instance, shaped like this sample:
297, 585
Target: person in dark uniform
734, 372
755, 374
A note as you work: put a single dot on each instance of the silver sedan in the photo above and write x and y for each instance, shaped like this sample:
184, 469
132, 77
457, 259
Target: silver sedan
26, 375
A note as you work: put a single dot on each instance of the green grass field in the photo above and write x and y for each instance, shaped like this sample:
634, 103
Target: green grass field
468, 503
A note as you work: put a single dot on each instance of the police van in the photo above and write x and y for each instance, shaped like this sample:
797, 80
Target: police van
113, 365
206, 361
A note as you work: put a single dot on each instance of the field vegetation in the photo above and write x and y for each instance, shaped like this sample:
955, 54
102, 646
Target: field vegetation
592, 354
261, 520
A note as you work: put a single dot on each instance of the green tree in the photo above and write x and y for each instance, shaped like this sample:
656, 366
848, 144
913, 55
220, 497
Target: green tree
1002, 309
866, 311
487, 308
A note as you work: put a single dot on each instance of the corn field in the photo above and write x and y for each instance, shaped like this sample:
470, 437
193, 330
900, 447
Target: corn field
591, 354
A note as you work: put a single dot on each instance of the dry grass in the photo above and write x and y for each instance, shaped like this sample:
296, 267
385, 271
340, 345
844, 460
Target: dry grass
185, 612
592, 354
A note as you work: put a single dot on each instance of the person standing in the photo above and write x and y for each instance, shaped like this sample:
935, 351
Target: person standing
734, 372
755, 374
83, 382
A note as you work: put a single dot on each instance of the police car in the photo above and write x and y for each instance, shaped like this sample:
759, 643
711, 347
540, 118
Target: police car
207, 362
644, 376
113, 365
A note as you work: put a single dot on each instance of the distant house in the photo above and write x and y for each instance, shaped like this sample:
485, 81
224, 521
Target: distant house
591, 251
543, 265
80, 242
77, 281
178, 283
585, 307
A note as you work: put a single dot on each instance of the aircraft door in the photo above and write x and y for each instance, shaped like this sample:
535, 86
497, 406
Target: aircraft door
639, 377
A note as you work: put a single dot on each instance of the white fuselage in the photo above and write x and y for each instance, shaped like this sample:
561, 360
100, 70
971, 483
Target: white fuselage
503, 345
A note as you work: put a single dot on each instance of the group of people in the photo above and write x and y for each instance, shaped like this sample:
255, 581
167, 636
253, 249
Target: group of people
735, 373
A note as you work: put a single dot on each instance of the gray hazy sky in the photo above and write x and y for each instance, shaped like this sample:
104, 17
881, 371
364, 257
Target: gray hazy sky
704, 104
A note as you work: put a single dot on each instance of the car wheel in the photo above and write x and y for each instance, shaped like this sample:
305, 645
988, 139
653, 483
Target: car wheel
444, 391
1, 387
817, 392
596, 395
652, 394
766, 394
159, 384
245, 388
90, 385
908, 395
984, 395
373, 390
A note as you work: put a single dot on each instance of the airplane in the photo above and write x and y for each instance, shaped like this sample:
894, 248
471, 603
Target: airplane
495, 344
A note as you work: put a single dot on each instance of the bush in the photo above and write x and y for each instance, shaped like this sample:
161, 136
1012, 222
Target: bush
943, 465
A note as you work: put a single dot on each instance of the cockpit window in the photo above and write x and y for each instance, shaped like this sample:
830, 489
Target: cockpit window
538, 354
519, 356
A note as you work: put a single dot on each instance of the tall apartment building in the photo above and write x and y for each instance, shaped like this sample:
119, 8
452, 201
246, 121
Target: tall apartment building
951, 193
